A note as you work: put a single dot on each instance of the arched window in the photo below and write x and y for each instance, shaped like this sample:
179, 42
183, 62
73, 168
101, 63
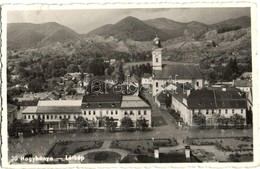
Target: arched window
125, 112
131, 113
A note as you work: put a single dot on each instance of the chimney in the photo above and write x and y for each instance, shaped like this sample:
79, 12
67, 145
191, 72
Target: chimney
187, 152
156, 153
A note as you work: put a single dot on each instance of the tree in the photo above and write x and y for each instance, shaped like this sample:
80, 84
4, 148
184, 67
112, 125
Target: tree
110, 123
199, 119
64, 123
222, 121
37, 125
126, 123
141, 123
237, 120
81, 123
16, 127
35, 86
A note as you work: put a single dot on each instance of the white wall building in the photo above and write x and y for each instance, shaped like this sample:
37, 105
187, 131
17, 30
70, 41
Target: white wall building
210, 103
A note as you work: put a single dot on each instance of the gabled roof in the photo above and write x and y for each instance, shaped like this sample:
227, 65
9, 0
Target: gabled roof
109, 100
183, 70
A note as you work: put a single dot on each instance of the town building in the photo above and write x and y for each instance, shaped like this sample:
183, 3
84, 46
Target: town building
210, 103
173, 72
93, 107
53, 111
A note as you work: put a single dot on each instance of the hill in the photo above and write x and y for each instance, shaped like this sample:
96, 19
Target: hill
243, 21
130, 28
28, 35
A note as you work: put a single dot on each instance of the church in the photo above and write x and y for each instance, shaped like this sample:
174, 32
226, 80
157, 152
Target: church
172, 72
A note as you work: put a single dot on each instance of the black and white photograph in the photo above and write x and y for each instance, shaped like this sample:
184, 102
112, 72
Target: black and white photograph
129, 85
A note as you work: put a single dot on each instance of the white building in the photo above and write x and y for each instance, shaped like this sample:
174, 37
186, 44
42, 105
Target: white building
95, 107
91, 107
53, 111
210, 103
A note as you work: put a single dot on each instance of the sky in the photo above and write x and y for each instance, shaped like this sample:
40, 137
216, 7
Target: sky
83, 21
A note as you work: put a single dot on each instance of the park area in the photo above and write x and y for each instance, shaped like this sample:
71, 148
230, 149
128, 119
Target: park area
226, 149
63, 148
143, 146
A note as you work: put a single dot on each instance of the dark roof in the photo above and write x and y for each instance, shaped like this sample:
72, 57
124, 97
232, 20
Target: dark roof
110, 100
28, 103
183, 70
215, 99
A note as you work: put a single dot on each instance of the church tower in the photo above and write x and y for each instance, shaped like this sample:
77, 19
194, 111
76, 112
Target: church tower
157, 54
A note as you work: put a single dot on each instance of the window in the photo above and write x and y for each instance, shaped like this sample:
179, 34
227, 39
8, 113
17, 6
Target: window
157, 60
47, 117
242, 111
219, 111
145, 112
24, 116
199, 111
156, 84
94, 113
212, 111
68, 116
139, 112
131, 113
84, 112
226, 111
125, 112
89, 113
51, 116
233, 111
60, 117
207, 111
56, 116
29, 117
197, 83
112, 112
116, 111
43, 116
75, 117
107, 112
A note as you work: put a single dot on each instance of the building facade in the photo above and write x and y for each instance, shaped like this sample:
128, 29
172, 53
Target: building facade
210, 103
93, 108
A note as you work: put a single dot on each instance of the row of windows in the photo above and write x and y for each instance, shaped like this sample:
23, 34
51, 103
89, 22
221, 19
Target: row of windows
132, 113
219, 111
94, 112
48, 116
